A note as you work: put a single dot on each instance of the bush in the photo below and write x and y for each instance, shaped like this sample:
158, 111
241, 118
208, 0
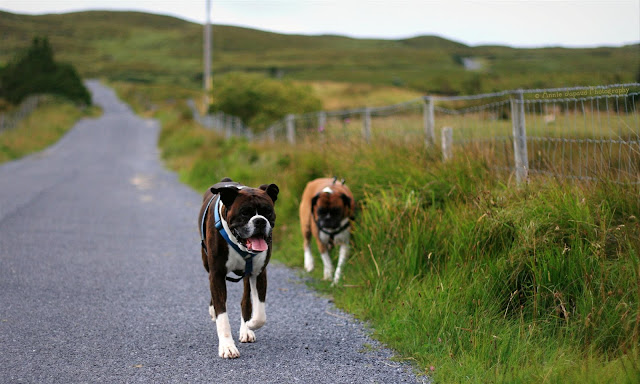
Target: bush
35, 72
260, 101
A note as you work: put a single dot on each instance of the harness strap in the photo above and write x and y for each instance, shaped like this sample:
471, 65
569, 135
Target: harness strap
332, 233
202, 234
247, 256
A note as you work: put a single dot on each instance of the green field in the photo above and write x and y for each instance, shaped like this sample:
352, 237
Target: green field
148, 48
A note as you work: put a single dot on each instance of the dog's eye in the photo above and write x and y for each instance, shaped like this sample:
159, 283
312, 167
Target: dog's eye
322, 211
264, 212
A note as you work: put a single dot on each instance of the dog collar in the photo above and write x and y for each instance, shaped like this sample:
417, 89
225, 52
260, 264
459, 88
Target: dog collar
246, 255
333, 232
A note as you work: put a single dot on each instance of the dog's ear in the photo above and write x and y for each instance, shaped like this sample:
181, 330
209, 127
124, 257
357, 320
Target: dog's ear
272, 190
314, 200
349, 205
227, 194
346, 200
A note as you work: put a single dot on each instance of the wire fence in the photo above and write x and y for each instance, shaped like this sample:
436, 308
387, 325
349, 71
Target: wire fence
11, 119
586, 133
222, 123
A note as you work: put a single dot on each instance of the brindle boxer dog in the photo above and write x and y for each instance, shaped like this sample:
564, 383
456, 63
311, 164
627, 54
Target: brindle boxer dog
326, 210
236, 224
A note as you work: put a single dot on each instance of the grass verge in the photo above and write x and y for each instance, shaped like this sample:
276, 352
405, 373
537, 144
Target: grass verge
43, 127
463, 273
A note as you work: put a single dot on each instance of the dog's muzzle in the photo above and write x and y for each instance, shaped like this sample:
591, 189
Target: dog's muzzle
255, 234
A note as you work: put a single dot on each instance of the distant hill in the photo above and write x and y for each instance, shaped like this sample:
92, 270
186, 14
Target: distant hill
143, 47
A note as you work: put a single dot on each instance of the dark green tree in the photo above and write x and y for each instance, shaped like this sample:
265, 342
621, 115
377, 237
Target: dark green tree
35, 72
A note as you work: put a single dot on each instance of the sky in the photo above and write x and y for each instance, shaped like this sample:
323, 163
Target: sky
516, 23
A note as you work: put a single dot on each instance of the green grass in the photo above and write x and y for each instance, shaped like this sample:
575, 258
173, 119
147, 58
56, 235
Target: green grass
461, 272
148, 48
43, 127
339, 96
497, 287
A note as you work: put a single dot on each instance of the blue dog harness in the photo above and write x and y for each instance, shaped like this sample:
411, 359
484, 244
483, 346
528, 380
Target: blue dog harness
247, 256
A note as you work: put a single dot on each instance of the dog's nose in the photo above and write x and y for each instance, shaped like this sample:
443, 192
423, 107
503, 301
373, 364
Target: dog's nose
260, 223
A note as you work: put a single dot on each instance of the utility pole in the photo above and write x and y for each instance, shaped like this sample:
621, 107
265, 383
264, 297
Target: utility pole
207, 58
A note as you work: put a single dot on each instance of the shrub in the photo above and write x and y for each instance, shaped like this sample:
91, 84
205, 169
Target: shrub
260, 101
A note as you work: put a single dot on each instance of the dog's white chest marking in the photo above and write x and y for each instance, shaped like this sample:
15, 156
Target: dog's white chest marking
342, 237
236, 262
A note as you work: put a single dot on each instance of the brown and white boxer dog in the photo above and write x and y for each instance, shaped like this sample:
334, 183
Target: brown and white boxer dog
236, 224
326, 210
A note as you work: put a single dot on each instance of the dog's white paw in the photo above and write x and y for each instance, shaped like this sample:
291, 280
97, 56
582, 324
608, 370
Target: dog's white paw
228, 350
308, 260
336, 279
308, 266
328, 266
247, 335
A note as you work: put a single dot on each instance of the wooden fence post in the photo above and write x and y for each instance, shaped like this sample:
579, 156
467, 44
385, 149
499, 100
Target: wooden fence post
291, 129
447, 143
366, 128
519, 137
429, 121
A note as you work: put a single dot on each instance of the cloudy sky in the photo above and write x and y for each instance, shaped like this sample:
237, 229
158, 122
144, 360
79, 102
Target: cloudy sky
518, 23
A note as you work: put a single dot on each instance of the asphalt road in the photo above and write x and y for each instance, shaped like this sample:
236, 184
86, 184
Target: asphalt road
101, 279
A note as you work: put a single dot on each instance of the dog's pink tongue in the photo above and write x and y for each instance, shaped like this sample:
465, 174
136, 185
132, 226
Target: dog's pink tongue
256, 244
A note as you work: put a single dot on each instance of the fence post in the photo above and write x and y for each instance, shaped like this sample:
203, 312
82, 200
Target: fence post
366, 128
429, 121
291, 129
238, 128
519, 137
322, 121
217, 124
447, 143
228, 122
246, 131
271, 133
